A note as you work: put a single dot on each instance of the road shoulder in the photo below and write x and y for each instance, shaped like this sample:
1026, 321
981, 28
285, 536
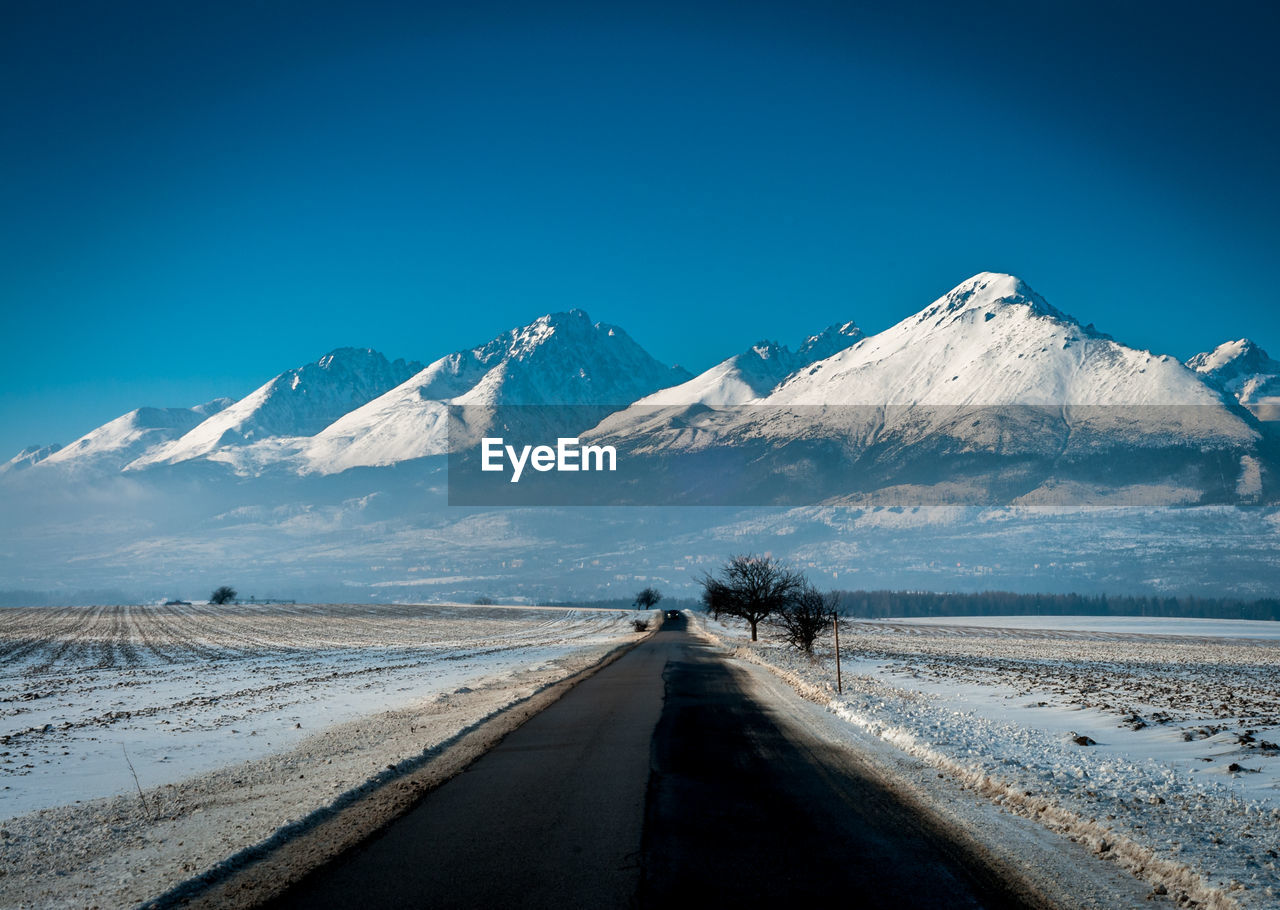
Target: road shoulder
1047, 867
265, 870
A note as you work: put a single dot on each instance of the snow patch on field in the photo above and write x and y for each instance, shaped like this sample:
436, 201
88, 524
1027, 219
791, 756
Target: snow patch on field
238, 721
1156, 747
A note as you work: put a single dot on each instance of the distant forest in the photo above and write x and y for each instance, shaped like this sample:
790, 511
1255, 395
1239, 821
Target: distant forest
883, 604
886, 604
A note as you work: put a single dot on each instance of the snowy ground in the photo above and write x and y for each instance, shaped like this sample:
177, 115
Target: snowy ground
1102, 626
1180, 766
235, 721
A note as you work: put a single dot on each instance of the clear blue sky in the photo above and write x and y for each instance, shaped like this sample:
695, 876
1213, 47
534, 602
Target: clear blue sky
194, 197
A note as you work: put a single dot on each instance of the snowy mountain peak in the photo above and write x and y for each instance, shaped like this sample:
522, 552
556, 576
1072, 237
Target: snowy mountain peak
992, 340
752, 374
298, 402
518, 343
558, 359
209, 408
1233, 357
1243, 369
990, 292
565, 359
37, 451
31, 455
349, 361
831, 340
117, 442
769, 350
346, 358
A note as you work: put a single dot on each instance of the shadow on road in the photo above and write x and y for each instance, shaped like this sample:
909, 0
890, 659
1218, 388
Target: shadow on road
658, 782
741, 810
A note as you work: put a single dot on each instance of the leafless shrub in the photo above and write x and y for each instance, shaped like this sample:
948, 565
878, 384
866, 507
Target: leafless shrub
806, 616
752, 587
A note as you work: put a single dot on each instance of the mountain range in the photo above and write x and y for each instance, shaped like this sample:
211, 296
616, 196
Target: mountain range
987, 395
954, 450
990, 368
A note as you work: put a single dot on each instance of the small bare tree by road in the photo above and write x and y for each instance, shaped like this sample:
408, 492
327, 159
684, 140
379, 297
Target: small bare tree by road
751, 587
806, 616
223, 595
648, 598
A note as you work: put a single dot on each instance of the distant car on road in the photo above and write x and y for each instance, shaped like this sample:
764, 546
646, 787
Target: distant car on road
673, 614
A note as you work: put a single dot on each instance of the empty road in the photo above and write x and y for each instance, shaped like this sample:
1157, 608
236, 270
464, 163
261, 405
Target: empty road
659, 781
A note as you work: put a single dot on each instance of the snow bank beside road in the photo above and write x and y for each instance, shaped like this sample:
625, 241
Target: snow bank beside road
1178, 781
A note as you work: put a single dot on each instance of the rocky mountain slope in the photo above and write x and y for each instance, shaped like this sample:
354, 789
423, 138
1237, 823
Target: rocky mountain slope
1244, 370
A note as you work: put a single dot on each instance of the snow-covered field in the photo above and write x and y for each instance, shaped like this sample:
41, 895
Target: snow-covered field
235, 721
1154, 740
1103, 626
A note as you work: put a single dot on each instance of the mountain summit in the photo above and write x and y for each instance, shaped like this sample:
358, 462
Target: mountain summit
116, 443
1246, 371
558, 359
29, 456
298, 402
755, 372
993, 340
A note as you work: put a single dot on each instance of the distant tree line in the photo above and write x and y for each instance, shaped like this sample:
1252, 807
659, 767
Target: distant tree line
885, 604
81, 598
624, 603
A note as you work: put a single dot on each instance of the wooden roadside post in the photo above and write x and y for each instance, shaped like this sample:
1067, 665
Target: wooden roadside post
835, 621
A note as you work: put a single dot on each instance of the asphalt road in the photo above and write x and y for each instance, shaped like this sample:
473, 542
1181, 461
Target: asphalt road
660, 781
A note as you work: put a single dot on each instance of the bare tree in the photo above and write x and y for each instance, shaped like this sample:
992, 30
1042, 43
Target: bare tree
223, 595
752, 588
806, 616
648, 598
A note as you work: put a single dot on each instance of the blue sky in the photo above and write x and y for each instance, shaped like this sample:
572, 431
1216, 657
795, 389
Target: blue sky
198, 196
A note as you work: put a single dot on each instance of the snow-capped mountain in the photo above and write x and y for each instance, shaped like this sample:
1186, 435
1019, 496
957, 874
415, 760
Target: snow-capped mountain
989, 370
755, 372
993, 347
992, 340
118, 442
31, 455
829, 341
989, 397
1244, 370
560, 359
298, 402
